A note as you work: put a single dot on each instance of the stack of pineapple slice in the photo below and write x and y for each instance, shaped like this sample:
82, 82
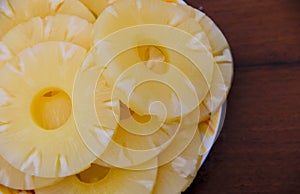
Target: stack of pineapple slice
108, 96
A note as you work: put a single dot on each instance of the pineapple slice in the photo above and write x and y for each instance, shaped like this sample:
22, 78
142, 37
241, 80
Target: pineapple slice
99, 179
223, 71
38, 134
14, 12
52, 28
183, 40
13, 178
158, 57
89, 75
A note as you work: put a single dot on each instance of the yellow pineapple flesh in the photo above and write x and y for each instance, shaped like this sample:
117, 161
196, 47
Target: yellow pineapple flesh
93, 97
51, 28
13, 12
219, 47
176, 175
46, 70
141, 12
156, 69
123, 141
116, 18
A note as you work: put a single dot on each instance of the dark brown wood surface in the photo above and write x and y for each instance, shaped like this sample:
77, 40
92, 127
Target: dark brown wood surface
258, 150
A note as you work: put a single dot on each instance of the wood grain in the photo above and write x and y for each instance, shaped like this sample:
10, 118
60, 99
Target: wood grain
259, 32
258, 150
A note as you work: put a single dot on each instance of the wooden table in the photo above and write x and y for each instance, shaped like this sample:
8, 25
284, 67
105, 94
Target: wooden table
258, 150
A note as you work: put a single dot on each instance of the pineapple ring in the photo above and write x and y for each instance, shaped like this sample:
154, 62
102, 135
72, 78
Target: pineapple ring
13, 12
94, 66
222, 57
13, 178
115, 181
116, 18
126, 39
180, 143
20, 80
51, 28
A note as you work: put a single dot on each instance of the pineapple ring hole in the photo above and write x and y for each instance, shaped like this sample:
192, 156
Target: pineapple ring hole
51, 108
93, 174
153, 56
